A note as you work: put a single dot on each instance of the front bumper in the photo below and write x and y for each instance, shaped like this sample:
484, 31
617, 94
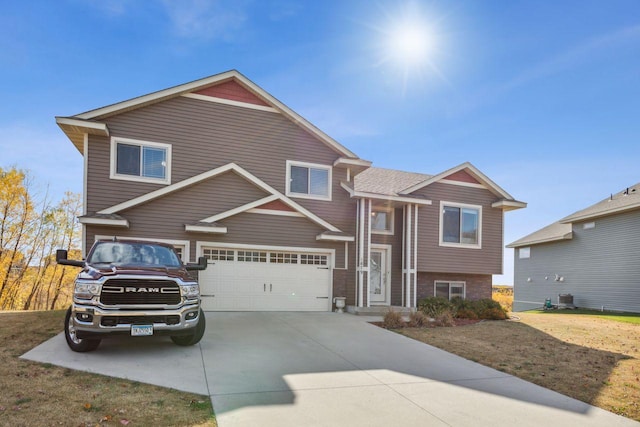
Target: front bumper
93, 322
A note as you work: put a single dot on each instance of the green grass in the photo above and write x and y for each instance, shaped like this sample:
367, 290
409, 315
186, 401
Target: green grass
610, 315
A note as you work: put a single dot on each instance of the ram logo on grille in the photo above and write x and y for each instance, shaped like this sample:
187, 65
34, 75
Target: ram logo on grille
128, 289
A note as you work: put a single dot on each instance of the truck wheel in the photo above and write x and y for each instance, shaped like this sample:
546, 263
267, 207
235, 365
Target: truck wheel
75, 343
187, 340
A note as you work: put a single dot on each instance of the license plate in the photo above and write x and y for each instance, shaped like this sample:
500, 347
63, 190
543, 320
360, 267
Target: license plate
141, 330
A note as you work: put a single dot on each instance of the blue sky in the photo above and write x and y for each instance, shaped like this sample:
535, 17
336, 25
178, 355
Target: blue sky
542, 96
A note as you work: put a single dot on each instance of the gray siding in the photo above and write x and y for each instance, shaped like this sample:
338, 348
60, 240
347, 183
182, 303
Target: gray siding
435, 258
600, 266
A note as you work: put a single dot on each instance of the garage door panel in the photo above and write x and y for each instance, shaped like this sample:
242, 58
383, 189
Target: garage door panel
258, 280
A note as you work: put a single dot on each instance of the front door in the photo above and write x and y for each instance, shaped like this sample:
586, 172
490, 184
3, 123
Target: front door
378, 277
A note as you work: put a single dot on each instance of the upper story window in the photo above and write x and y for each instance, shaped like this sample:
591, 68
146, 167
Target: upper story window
460, 225
308, 180
144, 161
524, 252
382, 221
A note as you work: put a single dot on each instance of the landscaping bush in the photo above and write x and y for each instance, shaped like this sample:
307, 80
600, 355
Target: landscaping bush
493, 314
434, 306
466, 313
418, 319
445, 318
392, 320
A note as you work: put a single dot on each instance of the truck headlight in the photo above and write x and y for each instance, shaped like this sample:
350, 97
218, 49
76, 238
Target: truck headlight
191, 291
86, 290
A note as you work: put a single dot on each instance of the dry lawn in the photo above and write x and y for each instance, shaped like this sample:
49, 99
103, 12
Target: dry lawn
46, 395
592, 359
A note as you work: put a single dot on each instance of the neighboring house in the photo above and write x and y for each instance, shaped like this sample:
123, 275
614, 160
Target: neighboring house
288, 217
593, 254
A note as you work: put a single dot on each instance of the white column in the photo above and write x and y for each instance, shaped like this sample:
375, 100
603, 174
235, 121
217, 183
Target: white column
369, 255
361, 254
402, 265
415, 258
408, 257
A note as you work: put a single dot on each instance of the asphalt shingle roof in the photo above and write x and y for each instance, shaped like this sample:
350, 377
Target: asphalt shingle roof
625, 200
388, 182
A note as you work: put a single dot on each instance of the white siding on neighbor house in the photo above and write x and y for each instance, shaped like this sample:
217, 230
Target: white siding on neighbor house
600, 267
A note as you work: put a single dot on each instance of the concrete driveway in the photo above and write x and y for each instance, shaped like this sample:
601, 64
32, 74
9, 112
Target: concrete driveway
328, 369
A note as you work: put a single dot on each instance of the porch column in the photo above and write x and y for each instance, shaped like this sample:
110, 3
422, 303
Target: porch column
363, 252
407, 255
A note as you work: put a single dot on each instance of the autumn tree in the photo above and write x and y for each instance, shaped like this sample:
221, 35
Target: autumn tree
31, 229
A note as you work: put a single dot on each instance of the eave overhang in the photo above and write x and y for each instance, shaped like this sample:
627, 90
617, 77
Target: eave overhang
75, 129
566, 236
509, 205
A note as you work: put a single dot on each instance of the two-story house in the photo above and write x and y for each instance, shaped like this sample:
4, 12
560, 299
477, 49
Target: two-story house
288, 217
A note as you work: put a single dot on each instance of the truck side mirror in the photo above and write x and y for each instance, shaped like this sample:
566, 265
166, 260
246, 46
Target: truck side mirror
201, 265
61, 258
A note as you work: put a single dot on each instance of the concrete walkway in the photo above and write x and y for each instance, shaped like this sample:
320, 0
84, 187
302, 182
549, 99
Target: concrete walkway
328, 369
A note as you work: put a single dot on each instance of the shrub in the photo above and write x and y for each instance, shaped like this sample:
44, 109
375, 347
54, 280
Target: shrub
434, 306
493, 314
445, 318
418, 319
392, 320
466, 313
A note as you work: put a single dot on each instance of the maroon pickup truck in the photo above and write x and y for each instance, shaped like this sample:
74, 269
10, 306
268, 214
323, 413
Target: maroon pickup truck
133, 288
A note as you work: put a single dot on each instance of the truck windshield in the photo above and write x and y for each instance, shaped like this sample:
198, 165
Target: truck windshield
122, 253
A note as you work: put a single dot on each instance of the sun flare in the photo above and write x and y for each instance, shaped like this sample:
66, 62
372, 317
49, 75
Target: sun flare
410, 44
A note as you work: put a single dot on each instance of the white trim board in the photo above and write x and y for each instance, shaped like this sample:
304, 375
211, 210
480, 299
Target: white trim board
230, 102
210, 174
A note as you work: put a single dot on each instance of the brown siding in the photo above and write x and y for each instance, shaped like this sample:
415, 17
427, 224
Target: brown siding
433, 257
477, 286
203, 136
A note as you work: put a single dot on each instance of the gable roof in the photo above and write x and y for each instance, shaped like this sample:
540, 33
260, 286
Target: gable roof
550, 233
89, 122
469, 169
399, 185
626, 200
230, 167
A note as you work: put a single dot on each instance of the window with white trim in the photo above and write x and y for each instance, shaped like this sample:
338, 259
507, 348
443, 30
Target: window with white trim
449, 290
524, 252
308, 180
382, 221
312, 259
460, 225
145, 161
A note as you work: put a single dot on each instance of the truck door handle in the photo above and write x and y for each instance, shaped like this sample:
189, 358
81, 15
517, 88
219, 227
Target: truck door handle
264, 287
270, 287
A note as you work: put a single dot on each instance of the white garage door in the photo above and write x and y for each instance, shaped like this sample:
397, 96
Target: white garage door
259, 280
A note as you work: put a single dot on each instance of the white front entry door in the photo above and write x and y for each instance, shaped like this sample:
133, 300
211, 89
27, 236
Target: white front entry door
379, 277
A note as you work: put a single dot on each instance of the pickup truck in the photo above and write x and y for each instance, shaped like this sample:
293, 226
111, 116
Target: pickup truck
133, 288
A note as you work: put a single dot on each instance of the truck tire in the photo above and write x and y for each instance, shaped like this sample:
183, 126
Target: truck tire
187, 340
75, 343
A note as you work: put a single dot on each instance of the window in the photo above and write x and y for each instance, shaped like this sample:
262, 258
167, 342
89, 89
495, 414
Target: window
308, 180
460, 225
382, 221
449, 290
524, 252
140, 161
218, 254
313, 259
588, 225
252, 256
